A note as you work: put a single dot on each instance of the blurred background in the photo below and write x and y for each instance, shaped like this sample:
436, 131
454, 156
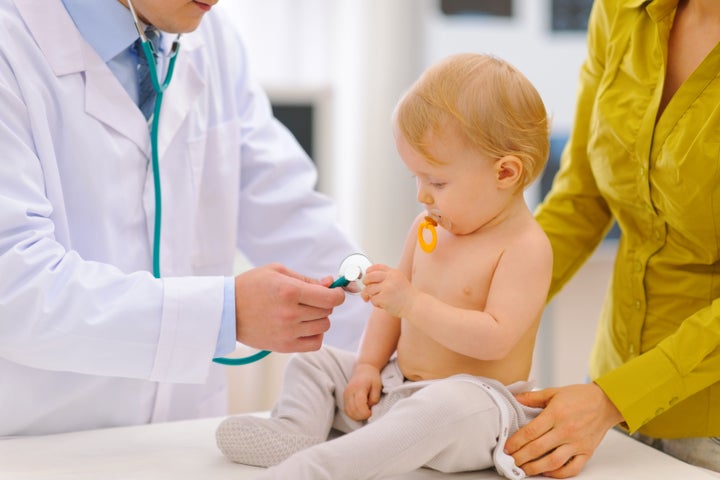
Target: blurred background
334, 70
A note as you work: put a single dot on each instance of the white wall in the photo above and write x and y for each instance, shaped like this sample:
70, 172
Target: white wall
551, 60
361, 54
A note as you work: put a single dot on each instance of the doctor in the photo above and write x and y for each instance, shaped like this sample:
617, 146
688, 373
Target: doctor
89, 338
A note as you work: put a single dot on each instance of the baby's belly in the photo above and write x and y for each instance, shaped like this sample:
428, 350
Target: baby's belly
425, 359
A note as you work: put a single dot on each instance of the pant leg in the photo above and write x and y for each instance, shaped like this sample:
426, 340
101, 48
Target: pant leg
303, 415
312, 392
511, 414
450, 426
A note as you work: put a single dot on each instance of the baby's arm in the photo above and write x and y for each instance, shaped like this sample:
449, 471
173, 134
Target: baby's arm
378, 344
516, 297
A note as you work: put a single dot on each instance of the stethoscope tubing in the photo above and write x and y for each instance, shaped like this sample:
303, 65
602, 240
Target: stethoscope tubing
154, 134
339, 282
155, 160
157, 184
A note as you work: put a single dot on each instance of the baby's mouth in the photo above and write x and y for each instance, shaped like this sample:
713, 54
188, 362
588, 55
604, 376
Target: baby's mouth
438, 219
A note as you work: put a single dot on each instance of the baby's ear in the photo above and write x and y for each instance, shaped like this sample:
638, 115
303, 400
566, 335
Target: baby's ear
509, 171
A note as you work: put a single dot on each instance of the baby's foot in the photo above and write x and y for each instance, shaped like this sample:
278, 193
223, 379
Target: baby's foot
260, 442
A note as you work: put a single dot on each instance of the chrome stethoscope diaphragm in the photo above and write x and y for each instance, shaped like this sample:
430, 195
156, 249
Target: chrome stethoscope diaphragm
352, 270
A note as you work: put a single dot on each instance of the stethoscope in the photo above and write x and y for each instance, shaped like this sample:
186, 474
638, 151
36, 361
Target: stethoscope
352, 268
148, 51
350, 275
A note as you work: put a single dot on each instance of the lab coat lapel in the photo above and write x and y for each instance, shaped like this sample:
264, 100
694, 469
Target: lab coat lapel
108, 102
185, 87
68, 53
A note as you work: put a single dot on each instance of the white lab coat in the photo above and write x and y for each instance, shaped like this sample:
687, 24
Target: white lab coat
88, 338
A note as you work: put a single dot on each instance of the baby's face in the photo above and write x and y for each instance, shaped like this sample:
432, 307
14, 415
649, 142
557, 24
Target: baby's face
460, 190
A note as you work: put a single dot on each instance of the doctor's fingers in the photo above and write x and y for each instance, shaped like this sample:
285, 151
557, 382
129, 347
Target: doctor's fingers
298, 336
325, 281
319, 296
303, 344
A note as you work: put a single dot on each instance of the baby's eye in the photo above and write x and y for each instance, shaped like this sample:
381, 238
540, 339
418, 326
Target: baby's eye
438, 184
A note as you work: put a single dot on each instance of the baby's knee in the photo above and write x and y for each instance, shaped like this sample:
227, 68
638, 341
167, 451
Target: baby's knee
314, 360
325, 361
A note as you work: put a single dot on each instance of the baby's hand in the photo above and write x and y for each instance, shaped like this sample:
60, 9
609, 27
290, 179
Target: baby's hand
362, 392
389, 289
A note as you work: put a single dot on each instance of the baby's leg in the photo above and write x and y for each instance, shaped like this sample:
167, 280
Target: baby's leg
302, 416
449, 426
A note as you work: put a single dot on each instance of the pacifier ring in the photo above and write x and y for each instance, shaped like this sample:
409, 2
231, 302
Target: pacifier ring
428, 224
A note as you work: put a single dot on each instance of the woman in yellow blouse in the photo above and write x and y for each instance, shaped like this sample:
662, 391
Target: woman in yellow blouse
644, 151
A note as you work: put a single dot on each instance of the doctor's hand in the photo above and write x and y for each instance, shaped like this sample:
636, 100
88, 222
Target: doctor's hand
559, 441
280, 310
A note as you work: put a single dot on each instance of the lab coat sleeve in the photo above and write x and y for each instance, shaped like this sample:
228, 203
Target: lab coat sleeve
574, 215
282, 218
59, 311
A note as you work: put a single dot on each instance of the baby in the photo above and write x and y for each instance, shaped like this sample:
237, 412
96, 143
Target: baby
452, 333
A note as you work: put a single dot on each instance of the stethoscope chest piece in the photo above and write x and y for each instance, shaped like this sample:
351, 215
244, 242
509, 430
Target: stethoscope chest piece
352, 269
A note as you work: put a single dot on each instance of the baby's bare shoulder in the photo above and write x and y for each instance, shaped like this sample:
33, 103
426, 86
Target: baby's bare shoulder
530, 241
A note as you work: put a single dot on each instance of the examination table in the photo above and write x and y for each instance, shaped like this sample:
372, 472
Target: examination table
186, 450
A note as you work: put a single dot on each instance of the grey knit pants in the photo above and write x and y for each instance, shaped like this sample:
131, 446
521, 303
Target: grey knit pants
449, 425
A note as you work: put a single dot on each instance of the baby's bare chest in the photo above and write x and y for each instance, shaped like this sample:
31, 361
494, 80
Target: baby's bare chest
459, 274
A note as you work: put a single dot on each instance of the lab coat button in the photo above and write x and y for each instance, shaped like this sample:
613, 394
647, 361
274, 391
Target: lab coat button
659, 411
673, 401
636, 304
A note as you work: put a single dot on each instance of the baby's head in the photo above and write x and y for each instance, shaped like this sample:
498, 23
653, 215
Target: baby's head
491, 105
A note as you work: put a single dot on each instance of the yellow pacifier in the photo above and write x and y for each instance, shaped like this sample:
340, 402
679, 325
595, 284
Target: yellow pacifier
428, 224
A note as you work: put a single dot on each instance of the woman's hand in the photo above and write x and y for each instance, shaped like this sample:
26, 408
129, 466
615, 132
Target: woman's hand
559, 441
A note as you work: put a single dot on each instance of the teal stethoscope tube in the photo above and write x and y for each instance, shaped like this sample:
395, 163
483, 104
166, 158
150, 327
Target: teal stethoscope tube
339, 282
159, 91
154, 132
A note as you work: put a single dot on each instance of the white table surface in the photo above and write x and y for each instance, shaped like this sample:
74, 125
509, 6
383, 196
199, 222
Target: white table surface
187, 450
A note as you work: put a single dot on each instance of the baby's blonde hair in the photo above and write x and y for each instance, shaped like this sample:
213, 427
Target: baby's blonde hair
491, 104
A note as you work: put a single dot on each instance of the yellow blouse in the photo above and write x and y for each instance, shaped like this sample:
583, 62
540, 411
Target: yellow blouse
657, 351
